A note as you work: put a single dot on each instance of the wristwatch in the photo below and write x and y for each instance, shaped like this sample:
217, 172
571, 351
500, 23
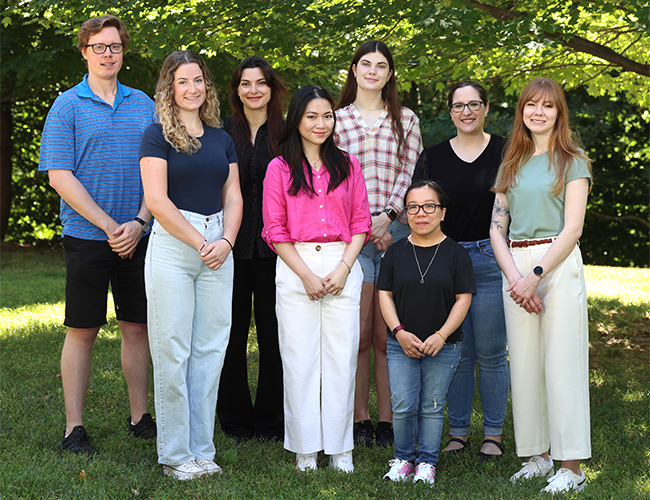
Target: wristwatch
539, 271
392, 214
145, 225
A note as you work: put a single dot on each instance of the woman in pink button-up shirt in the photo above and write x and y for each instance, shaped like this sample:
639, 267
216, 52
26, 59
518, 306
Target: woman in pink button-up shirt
317, 218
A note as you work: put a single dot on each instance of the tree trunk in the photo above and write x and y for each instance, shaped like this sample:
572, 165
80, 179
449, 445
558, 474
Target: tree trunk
6, 149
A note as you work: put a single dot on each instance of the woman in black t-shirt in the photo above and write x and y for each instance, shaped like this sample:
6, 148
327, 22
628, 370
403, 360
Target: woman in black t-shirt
425, 288
257, 98
466, 167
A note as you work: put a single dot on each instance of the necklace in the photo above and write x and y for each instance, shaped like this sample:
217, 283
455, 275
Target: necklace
418, 262
364, 109
313, 163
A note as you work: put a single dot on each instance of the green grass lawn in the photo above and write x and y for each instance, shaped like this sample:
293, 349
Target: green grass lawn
32, 413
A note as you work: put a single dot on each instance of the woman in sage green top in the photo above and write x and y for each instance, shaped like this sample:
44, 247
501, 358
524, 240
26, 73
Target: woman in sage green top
539, 210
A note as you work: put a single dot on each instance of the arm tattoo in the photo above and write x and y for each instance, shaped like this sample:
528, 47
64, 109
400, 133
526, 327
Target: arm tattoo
499, 213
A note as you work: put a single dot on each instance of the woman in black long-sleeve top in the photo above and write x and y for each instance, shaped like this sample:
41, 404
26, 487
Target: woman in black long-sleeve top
257, 97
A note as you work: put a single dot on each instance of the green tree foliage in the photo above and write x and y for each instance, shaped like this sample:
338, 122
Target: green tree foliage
596, 49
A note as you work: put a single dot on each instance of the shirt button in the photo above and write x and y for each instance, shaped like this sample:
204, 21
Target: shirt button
323, 220
320, 190
321, 206
325, 234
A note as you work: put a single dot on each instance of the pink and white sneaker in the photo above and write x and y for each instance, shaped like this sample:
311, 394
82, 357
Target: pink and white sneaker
400, 470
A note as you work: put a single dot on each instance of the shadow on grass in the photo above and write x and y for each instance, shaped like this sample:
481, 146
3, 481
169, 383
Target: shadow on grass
32, 420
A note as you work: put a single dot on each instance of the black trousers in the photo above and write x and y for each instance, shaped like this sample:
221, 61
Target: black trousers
253, 279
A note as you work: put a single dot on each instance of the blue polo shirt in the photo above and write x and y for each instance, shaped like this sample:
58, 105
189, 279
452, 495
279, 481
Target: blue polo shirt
99, 144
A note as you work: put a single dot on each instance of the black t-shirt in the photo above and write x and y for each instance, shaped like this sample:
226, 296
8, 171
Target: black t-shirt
424, 308
466, 184
194, 182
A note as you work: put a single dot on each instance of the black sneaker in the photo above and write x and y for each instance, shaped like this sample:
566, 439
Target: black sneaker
384, 434
144, 429
363, 433
77, 442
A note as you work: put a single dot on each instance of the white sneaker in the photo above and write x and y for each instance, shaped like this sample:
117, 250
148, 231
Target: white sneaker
342, 462
400, 470
209, 466
566, 480
535, 467
305, 462
425, 472
184, 472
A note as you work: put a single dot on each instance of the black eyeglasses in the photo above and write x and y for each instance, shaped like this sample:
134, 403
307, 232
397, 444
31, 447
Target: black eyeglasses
459, 107
429, 208
100, 48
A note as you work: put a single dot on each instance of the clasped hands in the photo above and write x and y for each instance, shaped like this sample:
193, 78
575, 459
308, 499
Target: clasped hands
124, 239
415, 348
524, 292
334, 283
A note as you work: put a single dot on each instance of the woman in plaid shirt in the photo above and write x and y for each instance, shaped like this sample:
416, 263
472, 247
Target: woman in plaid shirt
371, 125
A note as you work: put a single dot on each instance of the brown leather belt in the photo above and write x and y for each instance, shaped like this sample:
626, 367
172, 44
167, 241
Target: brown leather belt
528, 243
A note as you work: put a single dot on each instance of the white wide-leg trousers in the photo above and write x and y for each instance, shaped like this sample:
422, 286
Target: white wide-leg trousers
549, 360
319, 345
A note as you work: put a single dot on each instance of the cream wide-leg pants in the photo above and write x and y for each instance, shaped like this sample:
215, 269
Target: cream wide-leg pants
549, 360
319, 345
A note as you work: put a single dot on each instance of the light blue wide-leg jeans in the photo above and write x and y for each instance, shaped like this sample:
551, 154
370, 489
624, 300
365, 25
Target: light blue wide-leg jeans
484, 343
189, 310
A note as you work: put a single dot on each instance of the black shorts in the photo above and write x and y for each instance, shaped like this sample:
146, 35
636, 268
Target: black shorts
89, 267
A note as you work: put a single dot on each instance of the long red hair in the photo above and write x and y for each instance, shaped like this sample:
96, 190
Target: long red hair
562, 148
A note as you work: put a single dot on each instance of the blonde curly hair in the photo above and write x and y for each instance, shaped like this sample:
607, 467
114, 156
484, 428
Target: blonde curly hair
173, 129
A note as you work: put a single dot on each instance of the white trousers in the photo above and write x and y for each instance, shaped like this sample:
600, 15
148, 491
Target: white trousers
549, 360
319, 345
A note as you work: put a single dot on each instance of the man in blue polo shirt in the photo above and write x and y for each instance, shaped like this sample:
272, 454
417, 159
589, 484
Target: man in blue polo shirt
90, 151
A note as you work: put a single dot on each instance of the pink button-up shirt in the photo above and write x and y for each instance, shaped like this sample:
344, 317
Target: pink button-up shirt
323, 218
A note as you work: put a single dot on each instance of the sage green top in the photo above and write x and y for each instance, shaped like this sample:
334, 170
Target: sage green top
534, 211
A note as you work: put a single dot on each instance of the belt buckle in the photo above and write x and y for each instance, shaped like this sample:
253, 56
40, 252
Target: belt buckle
525, 243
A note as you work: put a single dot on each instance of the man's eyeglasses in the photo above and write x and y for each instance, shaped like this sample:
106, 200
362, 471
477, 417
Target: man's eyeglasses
100, 48
429, 208
459, 107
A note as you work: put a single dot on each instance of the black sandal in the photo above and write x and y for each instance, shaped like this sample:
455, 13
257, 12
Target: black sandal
457, 440
484, 457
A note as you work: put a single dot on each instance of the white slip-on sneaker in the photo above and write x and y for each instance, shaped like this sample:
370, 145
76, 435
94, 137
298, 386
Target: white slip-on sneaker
400, 470
306, 461
565, 480
535, 467
209, 466
342, 462
185, 471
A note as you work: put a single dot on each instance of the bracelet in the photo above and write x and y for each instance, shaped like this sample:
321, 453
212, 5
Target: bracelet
394, 331
205, 242
227, 241
348, 265
441, 336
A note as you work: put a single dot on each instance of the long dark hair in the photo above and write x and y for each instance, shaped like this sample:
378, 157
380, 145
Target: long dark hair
335, 161
388, 93
241, 130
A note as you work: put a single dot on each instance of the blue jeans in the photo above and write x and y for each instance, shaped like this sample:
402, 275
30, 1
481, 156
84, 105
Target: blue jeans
189, 309
484, 342
370, 257
418, 387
